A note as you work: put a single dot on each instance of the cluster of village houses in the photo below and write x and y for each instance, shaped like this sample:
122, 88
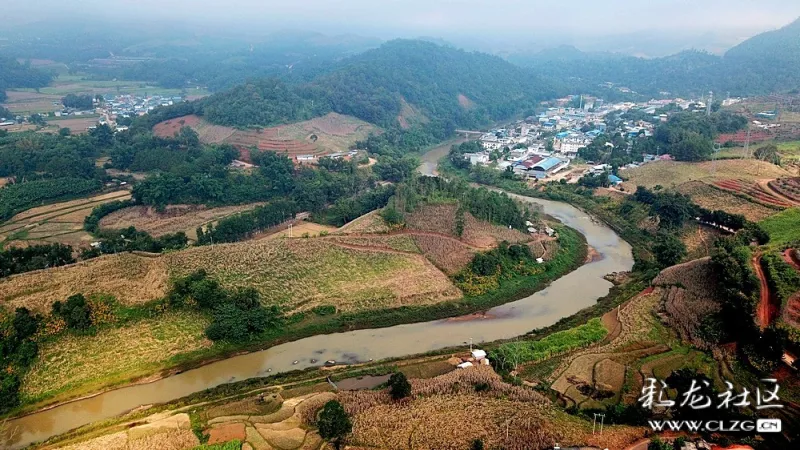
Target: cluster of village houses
569, 129
110, 110
129, 106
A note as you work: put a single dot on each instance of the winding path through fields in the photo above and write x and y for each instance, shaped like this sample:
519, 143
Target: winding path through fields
764, 309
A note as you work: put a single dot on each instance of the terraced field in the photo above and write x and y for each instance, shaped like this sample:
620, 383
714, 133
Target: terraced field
713, 198
319, 136
56, 223
752, 190
675, 173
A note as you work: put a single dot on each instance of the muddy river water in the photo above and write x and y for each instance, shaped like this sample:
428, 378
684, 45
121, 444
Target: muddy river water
564, 297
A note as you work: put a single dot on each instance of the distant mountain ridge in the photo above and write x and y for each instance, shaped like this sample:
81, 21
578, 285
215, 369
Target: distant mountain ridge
441, 83
765, 63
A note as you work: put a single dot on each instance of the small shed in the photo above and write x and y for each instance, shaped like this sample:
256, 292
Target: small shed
478, 354
465, 365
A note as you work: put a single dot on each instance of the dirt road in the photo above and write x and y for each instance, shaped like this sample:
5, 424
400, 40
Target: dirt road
764, 309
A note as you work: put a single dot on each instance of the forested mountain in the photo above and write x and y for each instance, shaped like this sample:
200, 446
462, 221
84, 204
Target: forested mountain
765, 63
400, 82
14, 74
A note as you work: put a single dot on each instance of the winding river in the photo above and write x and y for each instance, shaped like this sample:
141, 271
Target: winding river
564, 297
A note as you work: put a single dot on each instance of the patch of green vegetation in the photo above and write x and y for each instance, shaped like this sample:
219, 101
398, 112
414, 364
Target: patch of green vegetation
511, 354
783, 228
230, 445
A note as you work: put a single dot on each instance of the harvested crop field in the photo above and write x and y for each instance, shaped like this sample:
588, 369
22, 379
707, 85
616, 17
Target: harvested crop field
713, 198
301, 229
674, 173
483, 234
396, 242
31, 102
300, 274
322, 135
699, 240
689, 296
173, 219
449, 255
297, 274
77, 125
371, 222
434, 218
130, 278
147, 343
56, 223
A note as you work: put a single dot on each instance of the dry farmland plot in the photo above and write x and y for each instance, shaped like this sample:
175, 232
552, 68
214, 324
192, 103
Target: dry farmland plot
434, 218
297, 274
148, 344
322, 135
483, 234
130, 278
712, 198
173, 219
447, 254
302, 229
371, 222
397, 242
673, 173
31, 102
56, 223
302, 273
77, 125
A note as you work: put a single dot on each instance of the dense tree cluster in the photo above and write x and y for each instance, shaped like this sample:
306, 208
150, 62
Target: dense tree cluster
18, 260
16, 75
21, 196
83, 102
244, 225
132, 240
237, 315
75, 312
18, 350
92, 222
493, 207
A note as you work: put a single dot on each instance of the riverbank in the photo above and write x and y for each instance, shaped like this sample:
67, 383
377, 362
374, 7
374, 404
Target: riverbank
563, 297
571, 255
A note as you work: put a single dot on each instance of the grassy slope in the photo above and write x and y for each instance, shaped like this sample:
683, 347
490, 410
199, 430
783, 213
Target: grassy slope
783, 228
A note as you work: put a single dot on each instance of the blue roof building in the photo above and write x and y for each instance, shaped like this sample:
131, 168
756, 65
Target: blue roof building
613, 179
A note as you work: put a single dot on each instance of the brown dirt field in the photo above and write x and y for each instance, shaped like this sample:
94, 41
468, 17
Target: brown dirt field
485, 235
322, 135
465, 102
710, 197
226, 432
21, 101
76, 125
609, 374
173, 219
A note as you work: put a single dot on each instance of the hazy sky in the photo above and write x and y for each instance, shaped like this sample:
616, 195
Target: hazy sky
389, 18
